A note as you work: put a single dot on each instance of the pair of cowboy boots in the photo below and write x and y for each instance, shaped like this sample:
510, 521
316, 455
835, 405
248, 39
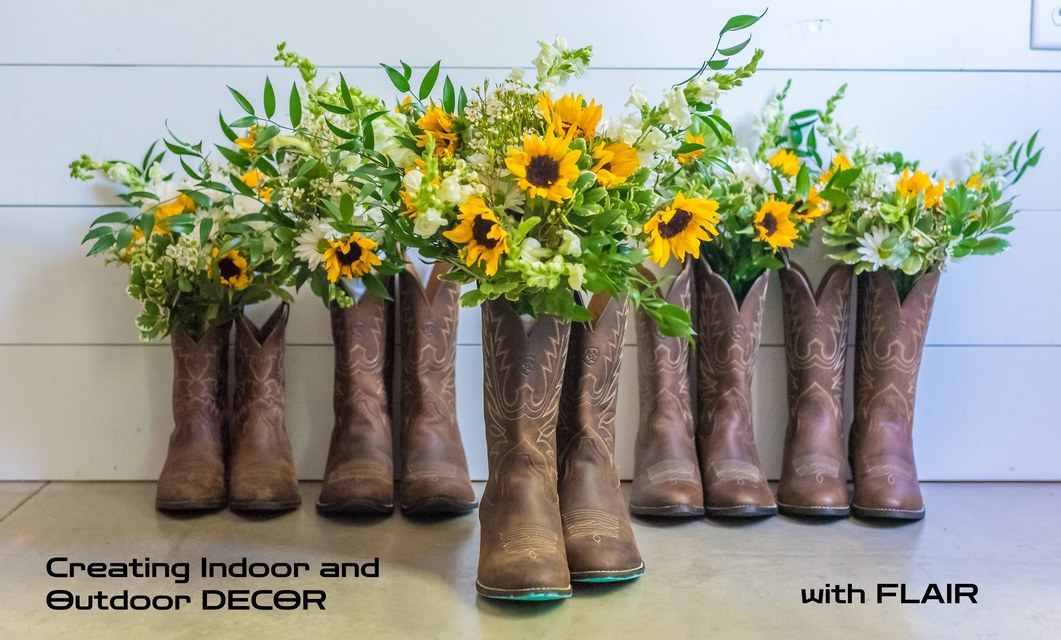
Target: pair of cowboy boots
684, 467
889, 344
359, 475
552, 511
248, 466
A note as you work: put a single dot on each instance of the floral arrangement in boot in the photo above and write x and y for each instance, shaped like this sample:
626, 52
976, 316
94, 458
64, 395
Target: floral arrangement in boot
197, 247
331, 171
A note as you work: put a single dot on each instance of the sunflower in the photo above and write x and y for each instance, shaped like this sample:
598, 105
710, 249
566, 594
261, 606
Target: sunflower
483, 234
840, 163
568, 118
692, 155
975, 182
816, 207
680, 228
350, 258
252, 179
615, 163
544, 166
176, 206
786, 161
232, 267
775, 224
439, 124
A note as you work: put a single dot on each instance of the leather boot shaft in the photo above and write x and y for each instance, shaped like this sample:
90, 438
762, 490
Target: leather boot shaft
813, 473
666, 472
889, 345
727, 343
262, 467
193, 476
434, 468
522, 552
597, 533
359, 474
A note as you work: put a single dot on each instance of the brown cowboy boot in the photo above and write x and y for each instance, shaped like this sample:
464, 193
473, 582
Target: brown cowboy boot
359, 475
434, 468
813, 476
597, 534
666, 473
521, 551
890, 340
726, 345
262, 469
194, 474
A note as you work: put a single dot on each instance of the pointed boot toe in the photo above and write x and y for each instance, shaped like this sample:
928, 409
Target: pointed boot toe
358, 486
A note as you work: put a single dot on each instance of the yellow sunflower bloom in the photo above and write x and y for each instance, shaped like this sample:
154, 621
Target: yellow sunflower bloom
568, 118
816, 207
840, 163
483, 234
911, 185
692, 155
350, 258
934, 194
439, 125
614, 163
680, 228
786, 161
975, 182
253, 179
775, 224
232, 268
180, 204
545, 166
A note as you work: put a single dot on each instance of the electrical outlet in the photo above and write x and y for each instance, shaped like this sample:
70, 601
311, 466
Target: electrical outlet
1046, 24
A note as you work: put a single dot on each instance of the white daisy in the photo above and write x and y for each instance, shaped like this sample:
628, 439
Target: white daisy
308, 245
870, 247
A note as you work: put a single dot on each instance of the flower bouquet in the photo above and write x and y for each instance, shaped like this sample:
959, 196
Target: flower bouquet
899, 230
198, 251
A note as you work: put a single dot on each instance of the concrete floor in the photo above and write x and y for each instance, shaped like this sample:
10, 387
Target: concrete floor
704, 578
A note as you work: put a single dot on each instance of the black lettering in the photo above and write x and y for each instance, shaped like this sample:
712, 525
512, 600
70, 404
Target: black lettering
881, 593
97, 570
331, 569
52, 573
281, 570
254, 601
812, 596
311, 597
238, 596
258, 570
185, 599
301, 565
374, 566
139, 603
286, 600
967, 590
206, 600
933, 593
903, 599
162, 603
59, 600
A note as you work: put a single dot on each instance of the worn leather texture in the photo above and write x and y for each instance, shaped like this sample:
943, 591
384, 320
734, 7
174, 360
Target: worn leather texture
434, 468
666, 471
522, 550
814, 473
359, 473
193, 476
597, 533
727, 343
889, 345
261, 467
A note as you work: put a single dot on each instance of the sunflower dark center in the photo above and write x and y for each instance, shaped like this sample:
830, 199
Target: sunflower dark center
480, 232
227, 268
543, 171
796, 207
349, 257
678, 222
769, 223
607, 166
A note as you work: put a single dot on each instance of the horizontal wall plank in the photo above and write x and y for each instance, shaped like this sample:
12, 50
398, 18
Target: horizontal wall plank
92, 413
902, 34
54, 295
952, 115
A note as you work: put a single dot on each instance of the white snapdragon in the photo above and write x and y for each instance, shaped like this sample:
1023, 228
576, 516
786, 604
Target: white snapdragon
532, 251
677, 111
156, 173
386, 140
707, 91
427, 222
625, 129
576, 276
119, 172
570, 244
751, 171
412, 181
450, 189
638, 97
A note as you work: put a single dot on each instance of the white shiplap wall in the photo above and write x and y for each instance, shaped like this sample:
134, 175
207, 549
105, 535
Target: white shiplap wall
82, 399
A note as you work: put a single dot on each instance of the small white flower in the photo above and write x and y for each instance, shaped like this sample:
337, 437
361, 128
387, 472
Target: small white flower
570, 244
707, 91
677, 109
576, 276
412, 181
428, 222
871, 249
638, 97
516, 75
156, 172
307, 245
533, 251
450, 191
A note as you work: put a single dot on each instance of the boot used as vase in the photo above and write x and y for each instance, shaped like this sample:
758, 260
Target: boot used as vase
261, 467
666, 473
435, 478
359, 474
888, 348
521, 552
728, 335
193, 477
597, 533
813, 472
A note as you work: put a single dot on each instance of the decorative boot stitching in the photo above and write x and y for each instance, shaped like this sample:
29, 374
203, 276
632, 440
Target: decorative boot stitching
591, 522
